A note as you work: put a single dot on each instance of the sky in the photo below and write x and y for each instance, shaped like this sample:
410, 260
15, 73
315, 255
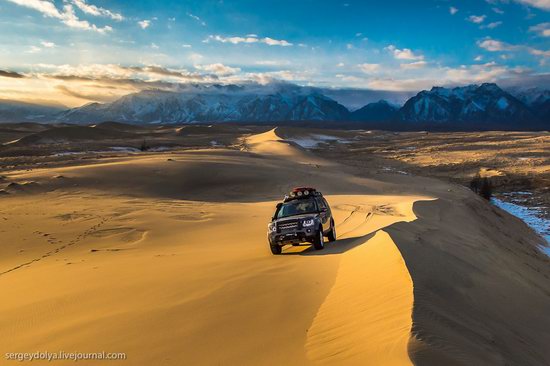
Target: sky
74, 52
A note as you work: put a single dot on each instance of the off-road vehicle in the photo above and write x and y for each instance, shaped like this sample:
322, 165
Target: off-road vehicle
303, 216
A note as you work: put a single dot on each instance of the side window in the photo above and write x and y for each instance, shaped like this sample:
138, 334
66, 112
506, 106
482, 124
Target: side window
325, 205
321, 203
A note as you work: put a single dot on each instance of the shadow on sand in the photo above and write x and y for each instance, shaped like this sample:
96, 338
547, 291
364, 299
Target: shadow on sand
337, 247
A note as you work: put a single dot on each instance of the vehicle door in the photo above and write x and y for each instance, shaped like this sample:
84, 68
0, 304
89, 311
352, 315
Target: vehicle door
324, 213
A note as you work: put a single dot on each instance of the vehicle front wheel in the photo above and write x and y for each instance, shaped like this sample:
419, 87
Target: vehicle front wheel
332, 233
276, 249
319, 241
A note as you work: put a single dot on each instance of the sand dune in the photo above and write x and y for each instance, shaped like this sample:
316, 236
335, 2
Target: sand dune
164, 257
71, 134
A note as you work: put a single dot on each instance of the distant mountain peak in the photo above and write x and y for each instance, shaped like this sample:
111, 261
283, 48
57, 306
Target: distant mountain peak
486, 103
476, 106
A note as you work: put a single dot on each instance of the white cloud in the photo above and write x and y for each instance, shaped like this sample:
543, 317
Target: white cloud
542, 29
478, 58
404, 54
33, 49
413, 65
154, 46
541, 4
47, 8
47, 44
477, 19
195, 57
349, 46
537, 52
248, 39
491, 25
369, 68
203, 23
340, 64
453, 10
493, 45
465, 74
498, 11
144, 23
67, 16
272, 62
186, 45
275, 42
95, 10
219, 69
499, 46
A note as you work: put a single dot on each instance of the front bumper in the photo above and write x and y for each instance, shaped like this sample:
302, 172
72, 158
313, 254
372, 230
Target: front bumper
294, 237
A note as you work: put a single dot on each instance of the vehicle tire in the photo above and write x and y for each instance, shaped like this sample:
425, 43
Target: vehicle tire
319, 241
332, 233
276, 249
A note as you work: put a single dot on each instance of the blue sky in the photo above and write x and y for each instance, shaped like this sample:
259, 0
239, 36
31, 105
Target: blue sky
77, 51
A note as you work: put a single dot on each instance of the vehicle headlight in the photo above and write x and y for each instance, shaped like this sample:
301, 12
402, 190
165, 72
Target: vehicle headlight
308, 222
272, 227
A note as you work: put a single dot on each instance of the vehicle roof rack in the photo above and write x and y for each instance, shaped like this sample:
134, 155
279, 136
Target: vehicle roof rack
301, 192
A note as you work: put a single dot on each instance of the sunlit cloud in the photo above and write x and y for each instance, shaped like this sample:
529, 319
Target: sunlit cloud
413, 65
47, 44
218, 69
272, 62
496, 46
67, 16
369, 68
403, 54
251, 38
499, 46
11, 74
144, 24
95, 10
543, 29
33, 49
541, 4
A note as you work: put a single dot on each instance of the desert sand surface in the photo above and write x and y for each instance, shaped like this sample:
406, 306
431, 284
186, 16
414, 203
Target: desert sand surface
163, 256
514, 161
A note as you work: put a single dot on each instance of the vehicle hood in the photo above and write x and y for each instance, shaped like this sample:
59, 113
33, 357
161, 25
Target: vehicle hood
298, 217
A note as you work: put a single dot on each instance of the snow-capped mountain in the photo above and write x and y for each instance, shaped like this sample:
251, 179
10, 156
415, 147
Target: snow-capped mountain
14, 111
473, 107
375, 112
535, 98
486, 103
214, 103
532, 97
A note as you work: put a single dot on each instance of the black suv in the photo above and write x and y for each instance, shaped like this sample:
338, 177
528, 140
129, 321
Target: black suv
303, 216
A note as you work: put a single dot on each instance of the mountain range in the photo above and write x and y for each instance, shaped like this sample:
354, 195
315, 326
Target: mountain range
473, 106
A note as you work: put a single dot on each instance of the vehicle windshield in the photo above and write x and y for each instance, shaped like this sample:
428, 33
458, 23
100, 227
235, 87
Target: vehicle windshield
297, 207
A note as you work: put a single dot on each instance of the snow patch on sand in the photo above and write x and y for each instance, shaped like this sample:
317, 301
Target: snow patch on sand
314, 140
530, 215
